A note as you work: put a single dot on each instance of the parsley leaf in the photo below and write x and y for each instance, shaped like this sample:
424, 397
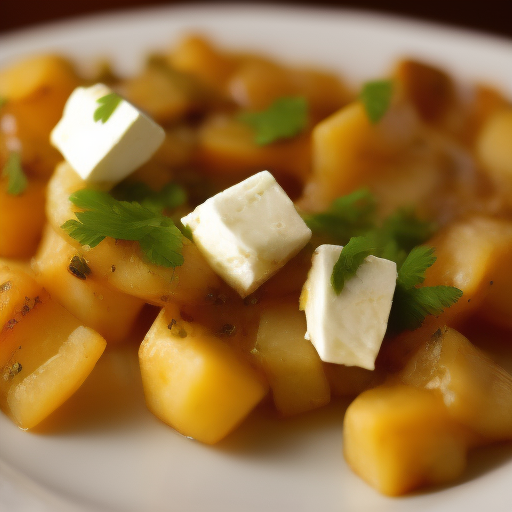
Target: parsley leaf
17, 180
411, 304
107, 105
412, 271
411, 307
351, 221
407, 229
350, 259
347, 216
103, 216
285, 118
171, 196
376, 97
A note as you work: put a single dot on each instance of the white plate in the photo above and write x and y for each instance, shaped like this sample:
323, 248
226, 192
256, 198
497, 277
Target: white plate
125, 460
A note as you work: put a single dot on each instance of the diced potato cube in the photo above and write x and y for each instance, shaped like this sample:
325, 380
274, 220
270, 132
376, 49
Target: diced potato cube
45, 355
398, 438
430, 89
121, 263
36, 90
54, 381
348, 151
226, 147
165, 94
258, 82
19, 292
64, 272
290, 362
349, 380
198, 57
474, 254
476, 391
31, 76
195, 382
494, 150
21, 220
486, 101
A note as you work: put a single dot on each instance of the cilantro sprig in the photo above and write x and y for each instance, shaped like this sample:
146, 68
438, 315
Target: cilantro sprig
285, 118
351, 258
376, 97
352, 221
169, 197
17, 181
411, 304
347, 216
103, 216
107, 106
355, 215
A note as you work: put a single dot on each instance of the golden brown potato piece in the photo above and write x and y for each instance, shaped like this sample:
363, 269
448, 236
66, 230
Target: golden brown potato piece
258, 82
21, 219
290, 362
63, 271
197, 56
474, 254
121, 264
476, 391
168, 95
35, 91
348, 151
494, 151
226, 148
19, 292
45, 352
195, 382
346, 381
399, 438
430, 89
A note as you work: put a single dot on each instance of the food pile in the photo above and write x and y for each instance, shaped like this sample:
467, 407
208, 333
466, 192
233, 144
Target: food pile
292, 240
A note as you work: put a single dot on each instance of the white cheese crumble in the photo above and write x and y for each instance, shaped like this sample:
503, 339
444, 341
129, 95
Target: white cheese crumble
348, 328
248, 231
109, 151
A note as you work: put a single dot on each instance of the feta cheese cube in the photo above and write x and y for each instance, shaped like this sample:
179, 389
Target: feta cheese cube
348, 328
104, 151
248, 231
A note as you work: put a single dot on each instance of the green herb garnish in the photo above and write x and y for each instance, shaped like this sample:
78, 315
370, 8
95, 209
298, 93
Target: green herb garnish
347, 216
79, 268
285, 118
356, 215
351, 258
351, 221
171, 196
13, 171
412, 304
376, 97
3, 101
107, 105
103, 216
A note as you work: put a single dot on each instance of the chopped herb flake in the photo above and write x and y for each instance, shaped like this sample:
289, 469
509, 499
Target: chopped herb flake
171, 196
107, 106
79, 268
350, 259
285, 118
376, 97
16, 179
103, 216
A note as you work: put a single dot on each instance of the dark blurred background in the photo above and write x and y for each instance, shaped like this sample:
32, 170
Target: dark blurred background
491, 16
